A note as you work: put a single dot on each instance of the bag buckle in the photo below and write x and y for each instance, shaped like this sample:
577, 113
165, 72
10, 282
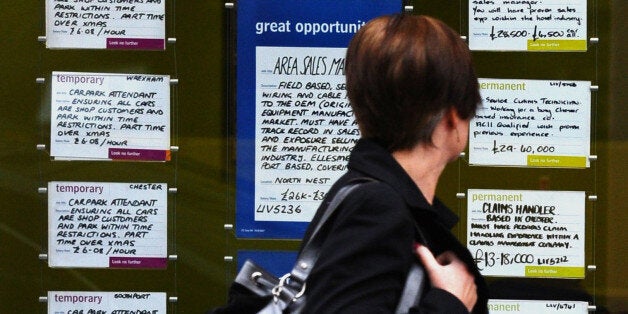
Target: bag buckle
279, 288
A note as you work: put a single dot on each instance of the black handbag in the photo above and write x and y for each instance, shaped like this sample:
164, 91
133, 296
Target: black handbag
288, 293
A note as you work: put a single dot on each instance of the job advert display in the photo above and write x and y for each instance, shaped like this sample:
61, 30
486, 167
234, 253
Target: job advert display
519, 233
110, 116
536, 306
305, 130
532, 123
548, 25
106, 24
95, 302
107, 225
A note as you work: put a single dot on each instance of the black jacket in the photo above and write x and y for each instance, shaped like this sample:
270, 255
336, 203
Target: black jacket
369, 247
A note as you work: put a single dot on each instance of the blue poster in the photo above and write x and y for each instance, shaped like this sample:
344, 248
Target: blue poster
294, 125
277, 263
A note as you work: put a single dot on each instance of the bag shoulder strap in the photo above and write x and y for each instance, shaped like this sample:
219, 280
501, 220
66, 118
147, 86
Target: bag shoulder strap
415, 281
309, 254
291, 287
333, 205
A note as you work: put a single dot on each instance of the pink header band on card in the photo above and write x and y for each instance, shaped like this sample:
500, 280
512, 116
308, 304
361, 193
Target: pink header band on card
139, 154
136, 43
138, 262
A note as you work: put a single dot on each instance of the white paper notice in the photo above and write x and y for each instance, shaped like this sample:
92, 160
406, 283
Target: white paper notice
532, 123
86, 302
107, 225
106, 24
304, 129
548, 25
105, 116
534, 306
527, 233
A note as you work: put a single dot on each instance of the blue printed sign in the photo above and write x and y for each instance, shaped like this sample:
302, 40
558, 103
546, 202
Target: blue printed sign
295, 128
277, 263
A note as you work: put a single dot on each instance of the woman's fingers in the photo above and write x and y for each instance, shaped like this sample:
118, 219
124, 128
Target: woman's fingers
448, 272
427, 258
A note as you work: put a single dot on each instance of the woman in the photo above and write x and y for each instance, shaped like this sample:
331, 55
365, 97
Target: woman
413, 91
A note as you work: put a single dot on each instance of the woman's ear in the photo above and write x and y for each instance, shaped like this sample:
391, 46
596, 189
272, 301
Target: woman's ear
446, 131
452, 118
458, 127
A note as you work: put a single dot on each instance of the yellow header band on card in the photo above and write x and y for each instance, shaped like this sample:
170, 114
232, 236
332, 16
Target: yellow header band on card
554, 272
557, 45
557, 161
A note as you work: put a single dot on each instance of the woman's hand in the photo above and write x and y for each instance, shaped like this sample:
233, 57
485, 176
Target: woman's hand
449, 273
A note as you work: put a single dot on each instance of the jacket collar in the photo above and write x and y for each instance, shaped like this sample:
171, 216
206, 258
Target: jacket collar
375, 161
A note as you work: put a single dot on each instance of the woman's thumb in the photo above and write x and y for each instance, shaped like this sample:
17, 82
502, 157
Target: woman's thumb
426, 257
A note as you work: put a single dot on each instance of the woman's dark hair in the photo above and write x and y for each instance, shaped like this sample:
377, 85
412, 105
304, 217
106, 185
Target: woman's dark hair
403, 73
